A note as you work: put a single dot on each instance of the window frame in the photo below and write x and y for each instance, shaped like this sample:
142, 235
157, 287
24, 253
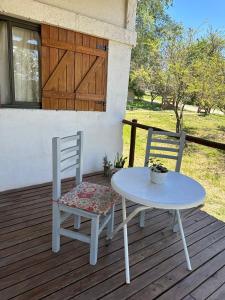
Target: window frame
25, 25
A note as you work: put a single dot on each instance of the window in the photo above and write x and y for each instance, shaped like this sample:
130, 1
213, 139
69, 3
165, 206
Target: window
19, 64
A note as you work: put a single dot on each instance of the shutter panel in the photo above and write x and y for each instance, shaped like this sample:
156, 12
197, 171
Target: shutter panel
74, 70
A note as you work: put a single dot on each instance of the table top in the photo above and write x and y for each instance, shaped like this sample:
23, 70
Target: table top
177, 192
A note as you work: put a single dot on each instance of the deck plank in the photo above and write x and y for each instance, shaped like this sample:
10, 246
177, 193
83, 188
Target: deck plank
219, 294
146, 267
214, 282
29, 269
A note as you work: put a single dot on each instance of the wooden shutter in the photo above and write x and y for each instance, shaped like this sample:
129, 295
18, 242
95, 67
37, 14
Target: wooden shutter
74, 70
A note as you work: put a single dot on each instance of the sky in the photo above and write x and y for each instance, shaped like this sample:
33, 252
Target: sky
199, 14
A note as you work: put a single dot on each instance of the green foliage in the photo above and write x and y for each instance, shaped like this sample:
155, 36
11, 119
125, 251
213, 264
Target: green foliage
139, 79
157, 166
208, 82
119, 161
208, 72
152, 24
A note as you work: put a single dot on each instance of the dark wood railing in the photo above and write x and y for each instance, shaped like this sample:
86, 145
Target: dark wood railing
194, 139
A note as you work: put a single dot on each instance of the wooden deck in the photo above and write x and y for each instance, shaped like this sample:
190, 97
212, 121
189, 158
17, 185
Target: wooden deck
29, 270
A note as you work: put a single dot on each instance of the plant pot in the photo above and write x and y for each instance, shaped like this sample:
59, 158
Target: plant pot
107, 171
158, 178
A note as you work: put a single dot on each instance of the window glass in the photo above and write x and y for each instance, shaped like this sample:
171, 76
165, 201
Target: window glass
4, 65
26, 64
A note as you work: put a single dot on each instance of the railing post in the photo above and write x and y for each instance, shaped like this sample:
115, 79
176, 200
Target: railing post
132, 143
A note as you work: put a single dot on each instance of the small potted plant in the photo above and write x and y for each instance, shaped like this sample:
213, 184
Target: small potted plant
119, 161
158, 172
107, 165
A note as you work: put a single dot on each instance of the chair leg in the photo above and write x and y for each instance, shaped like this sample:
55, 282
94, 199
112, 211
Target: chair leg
110, 224
77, 221
94, 240
184, 241
55, 227
125, 238
142, 219
175, 225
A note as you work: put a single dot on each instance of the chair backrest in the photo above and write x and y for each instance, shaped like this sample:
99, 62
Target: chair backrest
67, 155
177, 140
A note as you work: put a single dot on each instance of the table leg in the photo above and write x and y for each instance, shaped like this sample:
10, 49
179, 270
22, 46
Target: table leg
184, 241
125, 242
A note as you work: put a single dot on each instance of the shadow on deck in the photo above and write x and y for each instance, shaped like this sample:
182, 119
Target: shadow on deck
29, 270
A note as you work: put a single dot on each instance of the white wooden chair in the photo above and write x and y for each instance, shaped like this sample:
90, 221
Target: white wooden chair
153, 150
88, 200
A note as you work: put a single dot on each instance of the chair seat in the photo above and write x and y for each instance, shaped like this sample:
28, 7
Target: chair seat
90, 197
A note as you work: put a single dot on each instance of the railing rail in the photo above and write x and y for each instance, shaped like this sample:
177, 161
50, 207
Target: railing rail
194, 139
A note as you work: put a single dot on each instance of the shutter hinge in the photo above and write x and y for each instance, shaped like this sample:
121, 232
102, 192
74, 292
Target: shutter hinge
105, 48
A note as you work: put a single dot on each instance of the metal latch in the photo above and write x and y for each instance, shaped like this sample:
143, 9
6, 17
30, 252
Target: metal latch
105, 48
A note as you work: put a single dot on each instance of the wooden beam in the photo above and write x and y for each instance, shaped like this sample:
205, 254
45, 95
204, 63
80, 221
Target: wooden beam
74, 48
92, 97
69, 95
132, 143
190, 138
56, 94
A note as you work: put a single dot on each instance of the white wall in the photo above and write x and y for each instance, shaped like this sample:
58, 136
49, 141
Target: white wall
25, 134
40, 12
98, 9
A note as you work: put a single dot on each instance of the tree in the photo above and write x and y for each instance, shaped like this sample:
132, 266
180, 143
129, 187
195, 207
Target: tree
139, 80
153, 24
208, 71
208, 82
174, 73
191, 70
172, 63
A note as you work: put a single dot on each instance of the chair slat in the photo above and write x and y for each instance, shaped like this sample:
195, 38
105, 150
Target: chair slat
164, 149
167, 133
69, 157
163, 156
75, 235
165, 141
70, 166
69, 149
70, 138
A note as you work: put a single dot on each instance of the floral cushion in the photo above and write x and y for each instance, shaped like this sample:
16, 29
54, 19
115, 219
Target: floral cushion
90, 197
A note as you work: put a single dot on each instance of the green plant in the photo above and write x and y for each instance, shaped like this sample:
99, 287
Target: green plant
157, 167
119, 161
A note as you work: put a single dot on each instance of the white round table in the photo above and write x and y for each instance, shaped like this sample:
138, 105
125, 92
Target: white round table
178, 192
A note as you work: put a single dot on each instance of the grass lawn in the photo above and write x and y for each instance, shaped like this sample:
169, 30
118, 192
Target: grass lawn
205, 164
